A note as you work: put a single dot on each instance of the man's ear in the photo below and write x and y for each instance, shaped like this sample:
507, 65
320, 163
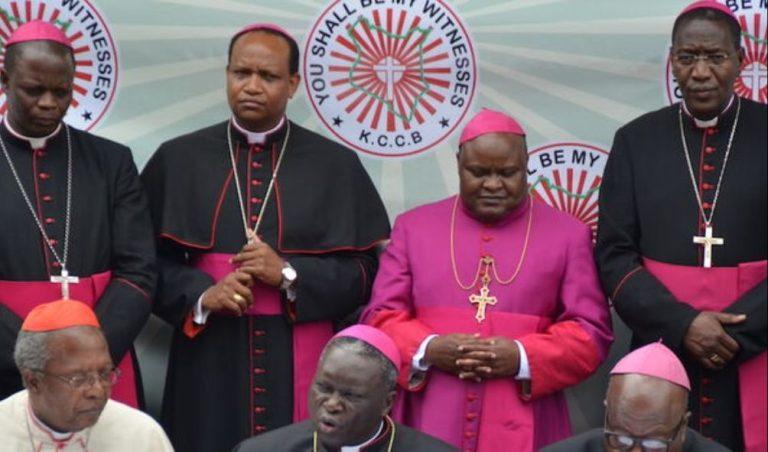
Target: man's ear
390, 400
31, 380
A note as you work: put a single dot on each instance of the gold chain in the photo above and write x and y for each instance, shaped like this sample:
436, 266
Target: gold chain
391, 436
487, 260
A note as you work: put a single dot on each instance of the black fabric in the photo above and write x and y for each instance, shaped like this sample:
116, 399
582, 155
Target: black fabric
299, 438
328, 224
592, 441
110, 230
648, 209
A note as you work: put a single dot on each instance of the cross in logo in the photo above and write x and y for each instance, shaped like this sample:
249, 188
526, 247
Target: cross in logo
755, 77
390, 73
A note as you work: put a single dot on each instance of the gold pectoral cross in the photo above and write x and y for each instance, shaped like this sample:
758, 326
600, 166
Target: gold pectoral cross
483, 299
707, 241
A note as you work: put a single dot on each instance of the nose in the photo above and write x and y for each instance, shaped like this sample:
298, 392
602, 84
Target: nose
47, 101
701, 69
96, 387
253, 85
333, 404
492, 182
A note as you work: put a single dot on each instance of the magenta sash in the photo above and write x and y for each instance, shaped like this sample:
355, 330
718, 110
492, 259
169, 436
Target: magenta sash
491, 415
21, 296
308, 338
714, 289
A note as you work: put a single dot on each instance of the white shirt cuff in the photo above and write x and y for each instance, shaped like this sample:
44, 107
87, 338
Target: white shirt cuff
417, 363
200, 314
524, 372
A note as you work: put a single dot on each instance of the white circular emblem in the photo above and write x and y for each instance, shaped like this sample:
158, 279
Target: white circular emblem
567, 176
752, 83
391, 79
94, 50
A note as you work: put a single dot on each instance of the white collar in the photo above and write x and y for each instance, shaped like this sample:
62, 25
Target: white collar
257, 137
704, 124
36, 143
37, 424
369, 441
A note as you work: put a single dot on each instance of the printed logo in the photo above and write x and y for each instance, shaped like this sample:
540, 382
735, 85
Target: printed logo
752, 83
95, 53
567, 176
390, 80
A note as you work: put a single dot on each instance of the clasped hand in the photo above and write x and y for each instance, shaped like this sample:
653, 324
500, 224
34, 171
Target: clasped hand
256, 261
468, 356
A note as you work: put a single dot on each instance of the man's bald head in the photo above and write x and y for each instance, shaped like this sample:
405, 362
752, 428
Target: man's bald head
646, 407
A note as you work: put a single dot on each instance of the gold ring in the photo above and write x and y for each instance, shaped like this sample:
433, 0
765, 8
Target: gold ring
715, 358
238, 298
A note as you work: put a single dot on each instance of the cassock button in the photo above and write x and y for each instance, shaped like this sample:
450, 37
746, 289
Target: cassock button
707, 400
487, 238
254, 218
49, 220
468, 434
471, 416
706, 381
259, 409
259, 428
706, 205
707, 167
706, 420
259, 390
44, 176
255, 200
56, 264
53, 242
471, 396
259, 351
258, 333
711, 131
256, 182
259, 370
256, 165
40, 153
709, 150
707, 186
47, 198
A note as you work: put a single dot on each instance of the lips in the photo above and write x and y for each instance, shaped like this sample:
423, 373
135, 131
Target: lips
327, 426
251, 104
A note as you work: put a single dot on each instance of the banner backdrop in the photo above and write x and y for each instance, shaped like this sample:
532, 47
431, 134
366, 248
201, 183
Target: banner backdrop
394, 80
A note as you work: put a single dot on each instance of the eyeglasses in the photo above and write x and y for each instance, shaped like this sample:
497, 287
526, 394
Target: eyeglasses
623, 441
80, 381
711, 59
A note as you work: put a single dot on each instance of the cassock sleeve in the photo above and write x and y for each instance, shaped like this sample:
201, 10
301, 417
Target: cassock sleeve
751, 334
577, 342
642, 301
331, 286
125, 305
391, 306
10, 324
180, 285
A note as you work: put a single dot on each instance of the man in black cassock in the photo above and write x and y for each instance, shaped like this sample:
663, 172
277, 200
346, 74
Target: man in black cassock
646, 405
681, 241
351, 394
256, 264
72, 204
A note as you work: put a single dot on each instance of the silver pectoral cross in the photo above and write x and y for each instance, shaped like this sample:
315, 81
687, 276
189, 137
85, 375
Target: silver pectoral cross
707, 241
64, 279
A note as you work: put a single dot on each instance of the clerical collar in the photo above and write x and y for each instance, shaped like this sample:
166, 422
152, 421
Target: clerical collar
257, 137
40, 426
359, 447
704, 124
35, 143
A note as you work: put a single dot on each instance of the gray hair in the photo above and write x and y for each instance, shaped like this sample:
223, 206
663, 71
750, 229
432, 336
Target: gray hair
31, 351
387, 368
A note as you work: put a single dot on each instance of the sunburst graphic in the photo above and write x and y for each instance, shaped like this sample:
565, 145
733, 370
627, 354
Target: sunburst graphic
96, 66
393, 71
753, 81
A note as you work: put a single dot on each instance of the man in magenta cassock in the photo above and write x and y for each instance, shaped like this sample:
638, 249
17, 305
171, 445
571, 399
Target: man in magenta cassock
494, 301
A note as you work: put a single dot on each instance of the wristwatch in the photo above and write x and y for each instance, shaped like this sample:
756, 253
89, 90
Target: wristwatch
289, 276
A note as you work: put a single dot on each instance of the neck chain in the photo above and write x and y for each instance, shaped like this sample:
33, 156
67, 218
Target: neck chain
708, 220
389, 445
64, 279
488, 261
249, 234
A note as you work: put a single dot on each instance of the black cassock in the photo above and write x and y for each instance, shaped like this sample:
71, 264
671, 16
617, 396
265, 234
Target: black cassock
110, 231
299, 438
592, 441
648, 210
235, 378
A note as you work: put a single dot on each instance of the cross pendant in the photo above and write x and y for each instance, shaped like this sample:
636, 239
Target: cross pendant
481, 301
707, 241
64, 279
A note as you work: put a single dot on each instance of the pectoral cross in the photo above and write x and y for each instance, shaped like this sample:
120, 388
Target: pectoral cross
64, 279
482, 300
707, 241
